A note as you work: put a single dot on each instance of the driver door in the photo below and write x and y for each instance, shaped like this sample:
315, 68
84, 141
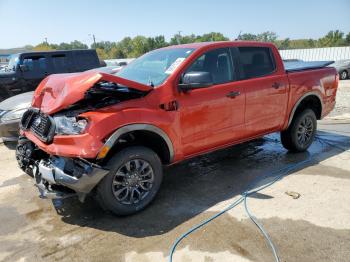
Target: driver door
213, 116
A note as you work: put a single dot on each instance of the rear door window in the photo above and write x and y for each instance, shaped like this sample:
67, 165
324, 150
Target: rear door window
256, 61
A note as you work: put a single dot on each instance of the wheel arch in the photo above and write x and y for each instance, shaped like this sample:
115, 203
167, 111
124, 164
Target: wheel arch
312, 100
142, 134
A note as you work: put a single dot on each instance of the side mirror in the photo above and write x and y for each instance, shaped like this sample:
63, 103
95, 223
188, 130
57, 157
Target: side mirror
194, 80
24, 68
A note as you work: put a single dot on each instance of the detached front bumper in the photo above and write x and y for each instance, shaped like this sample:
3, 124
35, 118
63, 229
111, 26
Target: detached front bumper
59, 177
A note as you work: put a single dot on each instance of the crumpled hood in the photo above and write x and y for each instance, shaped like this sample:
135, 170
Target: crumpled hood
57, 92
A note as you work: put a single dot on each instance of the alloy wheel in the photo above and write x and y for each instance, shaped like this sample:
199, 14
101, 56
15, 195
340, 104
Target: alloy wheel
305, 130
344, 75
133, 181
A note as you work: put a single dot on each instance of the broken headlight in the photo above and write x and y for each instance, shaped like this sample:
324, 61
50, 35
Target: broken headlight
69, 125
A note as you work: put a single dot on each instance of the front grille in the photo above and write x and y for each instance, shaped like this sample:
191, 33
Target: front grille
42, 125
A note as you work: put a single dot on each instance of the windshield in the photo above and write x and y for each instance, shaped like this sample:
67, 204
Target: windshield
13, 62
154, 67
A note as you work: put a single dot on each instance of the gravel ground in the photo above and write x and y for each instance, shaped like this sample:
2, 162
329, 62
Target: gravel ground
342, 108
315, 226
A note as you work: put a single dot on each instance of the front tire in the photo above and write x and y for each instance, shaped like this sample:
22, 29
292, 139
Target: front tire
301, 132
133, 181
25, 154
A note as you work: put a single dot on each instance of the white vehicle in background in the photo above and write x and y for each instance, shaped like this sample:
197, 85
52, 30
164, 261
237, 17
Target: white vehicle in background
3, 67
119, 62
343, 68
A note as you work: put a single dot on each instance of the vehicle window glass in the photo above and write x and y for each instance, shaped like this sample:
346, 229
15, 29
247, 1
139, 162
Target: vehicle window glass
12, 65
218, 63
256, 61
59, 62
86, 60
35, 63
155, 67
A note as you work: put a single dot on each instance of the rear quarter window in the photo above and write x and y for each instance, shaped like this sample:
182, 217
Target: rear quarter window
256, 61
85, 61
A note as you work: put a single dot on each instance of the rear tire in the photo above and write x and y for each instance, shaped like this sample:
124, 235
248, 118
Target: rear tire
301, 132
133, 181
343, 75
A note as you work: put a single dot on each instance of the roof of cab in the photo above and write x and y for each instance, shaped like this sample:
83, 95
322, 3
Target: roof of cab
219, 43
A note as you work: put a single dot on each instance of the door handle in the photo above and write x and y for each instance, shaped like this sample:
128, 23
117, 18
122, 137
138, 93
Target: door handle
276, 85
233, 94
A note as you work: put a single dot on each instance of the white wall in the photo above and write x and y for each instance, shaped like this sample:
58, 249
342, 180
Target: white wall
317, 54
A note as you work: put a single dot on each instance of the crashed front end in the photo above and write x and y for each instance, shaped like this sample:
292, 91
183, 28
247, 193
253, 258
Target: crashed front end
56, 176
60, 140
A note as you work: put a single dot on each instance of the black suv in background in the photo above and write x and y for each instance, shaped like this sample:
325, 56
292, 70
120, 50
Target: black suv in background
26, 70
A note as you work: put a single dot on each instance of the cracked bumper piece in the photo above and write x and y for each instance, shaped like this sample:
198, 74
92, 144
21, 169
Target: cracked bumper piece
59, 177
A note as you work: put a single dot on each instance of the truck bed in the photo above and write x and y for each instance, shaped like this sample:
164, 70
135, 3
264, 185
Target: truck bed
301, 66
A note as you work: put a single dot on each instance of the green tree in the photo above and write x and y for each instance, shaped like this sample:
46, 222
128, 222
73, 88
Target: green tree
105, 45
247, 37
43, 47
125, 46
102, 54
78, 45
156, 42
267, 36
332, 38
72, 45
139, 45
347, 39
116, 52
212, 36
283, 44
186, 39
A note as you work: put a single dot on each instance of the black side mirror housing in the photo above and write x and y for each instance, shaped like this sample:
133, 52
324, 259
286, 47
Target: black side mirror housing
24, 68
194, 80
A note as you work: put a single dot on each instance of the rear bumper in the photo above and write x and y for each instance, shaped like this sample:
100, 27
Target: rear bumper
56, 174
9, 131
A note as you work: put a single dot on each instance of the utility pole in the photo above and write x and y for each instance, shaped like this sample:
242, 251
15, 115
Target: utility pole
93, 38
46, 41
239, 35
178, 37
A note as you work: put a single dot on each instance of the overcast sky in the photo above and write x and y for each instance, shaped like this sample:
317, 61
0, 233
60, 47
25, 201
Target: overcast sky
30, 21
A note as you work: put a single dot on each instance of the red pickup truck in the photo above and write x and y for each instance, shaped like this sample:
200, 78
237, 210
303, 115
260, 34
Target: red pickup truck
109, 135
